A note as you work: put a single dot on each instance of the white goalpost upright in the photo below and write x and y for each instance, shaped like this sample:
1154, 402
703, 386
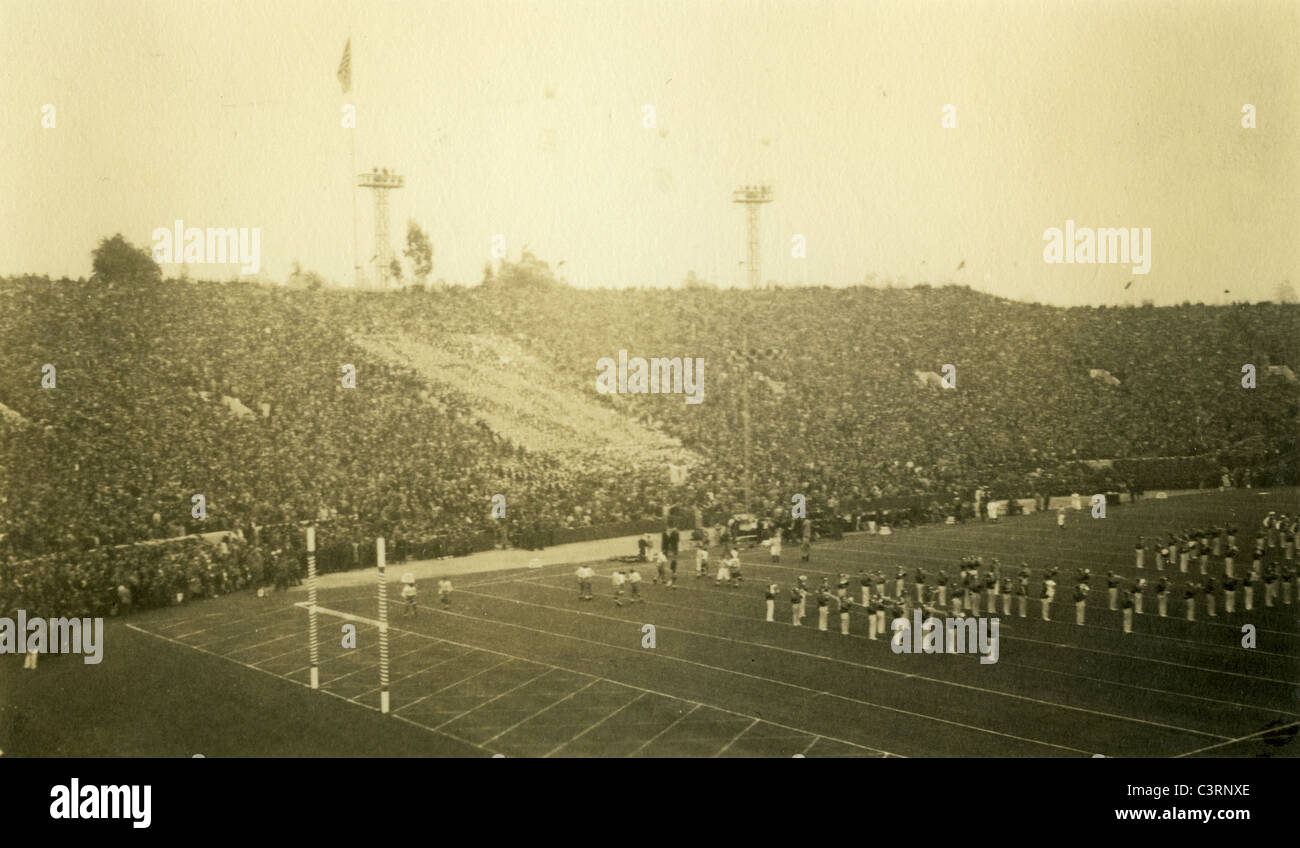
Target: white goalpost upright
383, 626
313, 633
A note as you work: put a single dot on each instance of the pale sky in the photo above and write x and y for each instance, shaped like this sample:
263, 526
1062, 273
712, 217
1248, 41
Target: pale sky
1112, 114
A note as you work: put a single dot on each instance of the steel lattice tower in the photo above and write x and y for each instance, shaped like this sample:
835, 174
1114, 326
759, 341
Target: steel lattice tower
381, 182
753, 196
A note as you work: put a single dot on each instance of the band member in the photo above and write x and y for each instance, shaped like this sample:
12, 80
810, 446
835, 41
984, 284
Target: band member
898, 582
1007, 586
1046, 599
1204, 551
776, 545
880, 583
871, 612
941, 588
1210, 588
823, 611
796, 604
1135, 595
1270, 584
864, 578
1229, 559
1080, 602
1140, 552
842, 588
1022, 599
1288, 579
1189, 599
772, 589
920, 584
672, 573
1112, 590
724, 573
408, 593
880, 614
701, 562
1128, 614
1229, 595
846, 606
1248, 591
1162, 597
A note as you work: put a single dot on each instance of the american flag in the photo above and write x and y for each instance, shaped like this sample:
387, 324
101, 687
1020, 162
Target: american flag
345, 67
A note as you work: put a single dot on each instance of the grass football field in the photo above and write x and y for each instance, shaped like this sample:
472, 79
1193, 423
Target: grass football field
517, 665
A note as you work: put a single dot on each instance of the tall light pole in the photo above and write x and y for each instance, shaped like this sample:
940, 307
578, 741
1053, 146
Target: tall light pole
381, 182
753, 196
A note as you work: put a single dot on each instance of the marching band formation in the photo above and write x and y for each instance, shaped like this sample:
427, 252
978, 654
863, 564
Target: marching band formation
1201, 566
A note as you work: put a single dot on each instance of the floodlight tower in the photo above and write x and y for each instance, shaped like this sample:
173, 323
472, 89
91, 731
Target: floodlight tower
381, 182
753, 196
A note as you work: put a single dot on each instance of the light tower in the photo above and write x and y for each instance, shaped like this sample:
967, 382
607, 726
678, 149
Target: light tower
381, 182
753, 196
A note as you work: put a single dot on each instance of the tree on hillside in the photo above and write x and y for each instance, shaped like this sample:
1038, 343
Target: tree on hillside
419, 251
529, 273
118, 259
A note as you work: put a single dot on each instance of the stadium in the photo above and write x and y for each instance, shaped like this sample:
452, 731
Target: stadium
497, 379
474, 443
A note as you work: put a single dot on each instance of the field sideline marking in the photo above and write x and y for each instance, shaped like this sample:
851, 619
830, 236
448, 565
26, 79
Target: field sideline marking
305, 685
454, 683
736, 738
594, 726
674, 723
532, 679
417, 633
1000, 660
765, 680
1238, 739
594, 680
969, 686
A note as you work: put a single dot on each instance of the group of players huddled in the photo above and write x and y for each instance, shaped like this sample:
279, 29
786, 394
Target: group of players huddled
1212, 552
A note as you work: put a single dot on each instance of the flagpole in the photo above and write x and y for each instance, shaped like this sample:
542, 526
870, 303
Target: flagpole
352, 178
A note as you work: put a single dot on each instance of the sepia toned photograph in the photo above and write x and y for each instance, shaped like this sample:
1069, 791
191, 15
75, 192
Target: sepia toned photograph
649, 378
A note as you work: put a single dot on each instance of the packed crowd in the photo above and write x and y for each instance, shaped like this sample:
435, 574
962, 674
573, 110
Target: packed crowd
164, 390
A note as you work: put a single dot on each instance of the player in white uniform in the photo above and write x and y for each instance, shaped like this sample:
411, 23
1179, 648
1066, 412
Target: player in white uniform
408, 593
701, 562
618, 579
